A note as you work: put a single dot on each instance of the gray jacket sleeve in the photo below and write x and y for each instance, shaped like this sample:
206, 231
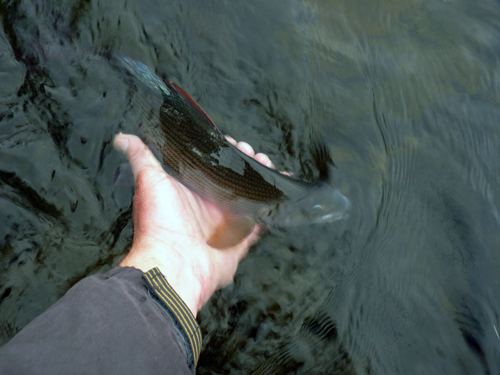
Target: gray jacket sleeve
122, 322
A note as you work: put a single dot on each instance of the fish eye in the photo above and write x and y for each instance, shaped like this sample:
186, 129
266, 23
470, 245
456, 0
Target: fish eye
317, 211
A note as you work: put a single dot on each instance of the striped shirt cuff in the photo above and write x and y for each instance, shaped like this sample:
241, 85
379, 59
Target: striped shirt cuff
182, 318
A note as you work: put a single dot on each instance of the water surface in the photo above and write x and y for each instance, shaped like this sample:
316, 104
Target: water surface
405, 95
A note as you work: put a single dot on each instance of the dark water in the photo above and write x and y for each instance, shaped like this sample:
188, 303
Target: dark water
405, 94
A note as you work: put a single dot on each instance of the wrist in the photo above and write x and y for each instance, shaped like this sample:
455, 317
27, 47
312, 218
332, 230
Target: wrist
179, 273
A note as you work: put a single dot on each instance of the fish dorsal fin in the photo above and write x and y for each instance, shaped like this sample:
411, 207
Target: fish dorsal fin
231, 231
187, 105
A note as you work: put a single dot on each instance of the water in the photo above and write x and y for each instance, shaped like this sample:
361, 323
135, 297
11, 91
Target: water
406, 95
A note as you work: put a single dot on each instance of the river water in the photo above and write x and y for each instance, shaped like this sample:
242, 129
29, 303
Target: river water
404, 94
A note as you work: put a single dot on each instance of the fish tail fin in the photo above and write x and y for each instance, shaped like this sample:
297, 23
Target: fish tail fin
140, 72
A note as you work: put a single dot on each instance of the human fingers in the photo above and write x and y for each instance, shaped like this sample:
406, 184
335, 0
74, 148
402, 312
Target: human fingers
246, 149
250, 240
227, 260
138, 154
264, 159
231, 140
243, 147
240, 250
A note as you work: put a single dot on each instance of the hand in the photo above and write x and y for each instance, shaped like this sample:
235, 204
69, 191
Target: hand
171, 227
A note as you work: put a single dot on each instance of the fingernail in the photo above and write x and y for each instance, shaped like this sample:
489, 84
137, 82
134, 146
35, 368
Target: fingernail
121, 143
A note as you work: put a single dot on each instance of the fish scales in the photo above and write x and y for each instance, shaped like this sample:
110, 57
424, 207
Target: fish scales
184, 137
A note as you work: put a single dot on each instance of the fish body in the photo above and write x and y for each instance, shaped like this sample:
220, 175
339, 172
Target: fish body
198, 155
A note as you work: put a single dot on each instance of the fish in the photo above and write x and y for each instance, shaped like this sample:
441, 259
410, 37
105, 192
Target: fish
198, 155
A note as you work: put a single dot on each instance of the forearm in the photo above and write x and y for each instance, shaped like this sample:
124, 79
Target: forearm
105, 324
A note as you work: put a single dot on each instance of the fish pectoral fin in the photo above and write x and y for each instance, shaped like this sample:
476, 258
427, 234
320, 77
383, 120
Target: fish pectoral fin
231, 231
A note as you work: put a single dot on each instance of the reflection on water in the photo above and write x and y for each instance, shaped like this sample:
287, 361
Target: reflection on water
406, 96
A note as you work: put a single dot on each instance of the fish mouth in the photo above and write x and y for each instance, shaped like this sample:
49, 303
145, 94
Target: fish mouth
343, 207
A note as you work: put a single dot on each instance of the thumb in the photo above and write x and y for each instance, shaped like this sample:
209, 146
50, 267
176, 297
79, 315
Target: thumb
138, 154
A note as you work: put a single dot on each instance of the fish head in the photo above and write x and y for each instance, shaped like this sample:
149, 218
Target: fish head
320, 204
